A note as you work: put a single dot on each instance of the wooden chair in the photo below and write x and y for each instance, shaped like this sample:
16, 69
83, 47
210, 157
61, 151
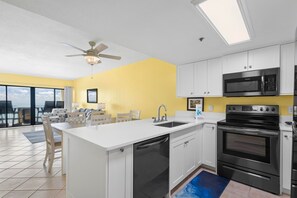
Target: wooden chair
52, 146
135, 114
76, 118
123, 117
97, 118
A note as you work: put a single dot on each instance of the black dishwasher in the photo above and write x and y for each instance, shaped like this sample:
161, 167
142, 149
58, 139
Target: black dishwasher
151, 168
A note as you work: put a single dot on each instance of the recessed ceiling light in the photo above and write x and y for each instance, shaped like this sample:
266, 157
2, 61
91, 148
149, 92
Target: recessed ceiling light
227, 18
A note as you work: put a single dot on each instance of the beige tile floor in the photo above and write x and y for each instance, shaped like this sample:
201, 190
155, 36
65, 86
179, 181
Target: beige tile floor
22, 173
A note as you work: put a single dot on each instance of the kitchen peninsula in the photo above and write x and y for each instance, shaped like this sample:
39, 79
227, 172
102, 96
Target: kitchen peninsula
100, 158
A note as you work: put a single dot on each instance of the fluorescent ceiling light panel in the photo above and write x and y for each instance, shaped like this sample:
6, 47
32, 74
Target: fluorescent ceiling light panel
227, 19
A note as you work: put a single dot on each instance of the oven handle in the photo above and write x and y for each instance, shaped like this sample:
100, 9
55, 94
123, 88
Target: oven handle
262, 84
249, 131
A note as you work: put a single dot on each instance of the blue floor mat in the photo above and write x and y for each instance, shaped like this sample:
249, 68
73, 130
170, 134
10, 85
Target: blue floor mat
204, 185
39, 136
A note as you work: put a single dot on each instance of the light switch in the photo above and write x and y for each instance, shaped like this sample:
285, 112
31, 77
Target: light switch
210, 108
290, 109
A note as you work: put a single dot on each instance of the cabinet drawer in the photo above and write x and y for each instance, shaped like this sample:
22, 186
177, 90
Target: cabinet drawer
180, 135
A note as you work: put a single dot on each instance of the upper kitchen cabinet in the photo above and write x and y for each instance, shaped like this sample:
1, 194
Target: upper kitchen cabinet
185, 80
287, 69
214, 77
202, 78
264, 58
235, 63
208, 78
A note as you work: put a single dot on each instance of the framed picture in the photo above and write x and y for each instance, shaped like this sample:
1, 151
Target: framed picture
191, 103
92, 95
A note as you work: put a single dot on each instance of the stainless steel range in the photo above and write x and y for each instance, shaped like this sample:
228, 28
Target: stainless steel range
249, 146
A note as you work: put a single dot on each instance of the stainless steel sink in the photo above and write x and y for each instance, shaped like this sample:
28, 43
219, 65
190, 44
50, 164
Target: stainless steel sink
171, 124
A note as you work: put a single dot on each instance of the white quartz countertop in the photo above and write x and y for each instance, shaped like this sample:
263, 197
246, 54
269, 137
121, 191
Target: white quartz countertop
117, 135
285, 127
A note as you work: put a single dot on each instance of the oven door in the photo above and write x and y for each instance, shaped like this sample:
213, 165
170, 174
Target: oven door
256, 149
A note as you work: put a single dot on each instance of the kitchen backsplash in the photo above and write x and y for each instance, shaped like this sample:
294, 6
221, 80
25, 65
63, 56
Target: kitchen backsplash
214, 104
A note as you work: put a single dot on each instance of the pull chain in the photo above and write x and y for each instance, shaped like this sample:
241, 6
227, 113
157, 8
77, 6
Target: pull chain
92, 71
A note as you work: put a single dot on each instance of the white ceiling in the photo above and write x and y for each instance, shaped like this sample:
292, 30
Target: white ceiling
31, 45
165, 29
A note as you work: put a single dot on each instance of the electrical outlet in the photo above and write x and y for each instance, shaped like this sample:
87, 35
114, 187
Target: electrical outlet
210, 108
290, 109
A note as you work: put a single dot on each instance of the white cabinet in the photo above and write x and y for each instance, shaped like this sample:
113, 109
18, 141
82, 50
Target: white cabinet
263, 58
202, 78
208, 78
235, 63
209, 145
120, 173
183, 150
287, 69
199, 142
287, 159
185, 80
214, 77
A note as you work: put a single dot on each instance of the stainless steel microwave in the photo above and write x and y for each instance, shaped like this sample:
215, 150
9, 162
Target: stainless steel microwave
264, 82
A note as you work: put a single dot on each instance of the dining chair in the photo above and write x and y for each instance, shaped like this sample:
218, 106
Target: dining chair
76, 118
135, 114
52, 146
123, 117
97, 118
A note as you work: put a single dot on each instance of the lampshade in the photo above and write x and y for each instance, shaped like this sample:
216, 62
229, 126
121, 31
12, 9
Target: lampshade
100, 106
92, 59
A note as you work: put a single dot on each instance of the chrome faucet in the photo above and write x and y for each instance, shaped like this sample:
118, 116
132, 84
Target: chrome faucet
163, 118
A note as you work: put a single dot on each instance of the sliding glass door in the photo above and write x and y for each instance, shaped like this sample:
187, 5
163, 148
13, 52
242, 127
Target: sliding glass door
18, 106
21, 106
2, 106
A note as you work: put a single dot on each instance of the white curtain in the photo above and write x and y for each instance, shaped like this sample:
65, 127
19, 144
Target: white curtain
68, 95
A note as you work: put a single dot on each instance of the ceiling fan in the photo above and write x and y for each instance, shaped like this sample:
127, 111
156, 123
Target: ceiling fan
93, 55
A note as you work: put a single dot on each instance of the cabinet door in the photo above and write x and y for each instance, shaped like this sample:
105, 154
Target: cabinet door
120, 173
190, 155
176, 163
199, 143
209, 145
264, 58
287, 69
200, 78
215, 77
287, 159
185, 80
235, 63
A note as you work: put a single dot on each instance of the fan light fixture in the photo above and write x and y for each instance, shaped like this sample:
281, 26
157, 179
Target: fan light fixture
92, 60
227, 18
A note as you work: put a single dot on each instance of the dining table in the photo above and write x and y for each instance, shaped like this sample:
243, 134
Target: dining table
59, 128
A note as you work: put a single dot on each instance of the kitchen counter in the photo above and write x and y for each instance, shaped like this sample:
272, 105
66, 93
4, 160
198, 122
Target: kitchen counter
112, 136
285, 127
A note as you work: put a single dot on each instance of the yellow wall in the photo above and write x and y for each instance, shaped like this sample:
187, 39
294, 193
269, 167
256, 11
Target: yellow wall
220, 103
22, 80
143, 85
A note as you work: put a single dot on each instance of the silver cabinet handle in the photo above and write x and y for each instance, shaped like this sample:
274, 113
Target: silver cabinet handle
122, 149
208, 92
186, 142
205, 92
191, 93
244, 67
250, 66
212, 128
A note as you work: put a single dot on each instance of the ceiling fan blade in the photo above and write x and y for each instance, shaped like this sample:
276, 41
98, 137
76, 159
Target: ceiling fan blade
75, 47
75, 55
110, 56
100, 48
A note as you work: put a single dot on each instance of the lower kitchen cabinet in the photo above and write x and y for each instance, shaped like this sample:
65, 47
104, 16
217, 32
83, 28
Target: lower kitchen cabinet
287, 159
209, 145
120, 172
183, 149
199, 142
